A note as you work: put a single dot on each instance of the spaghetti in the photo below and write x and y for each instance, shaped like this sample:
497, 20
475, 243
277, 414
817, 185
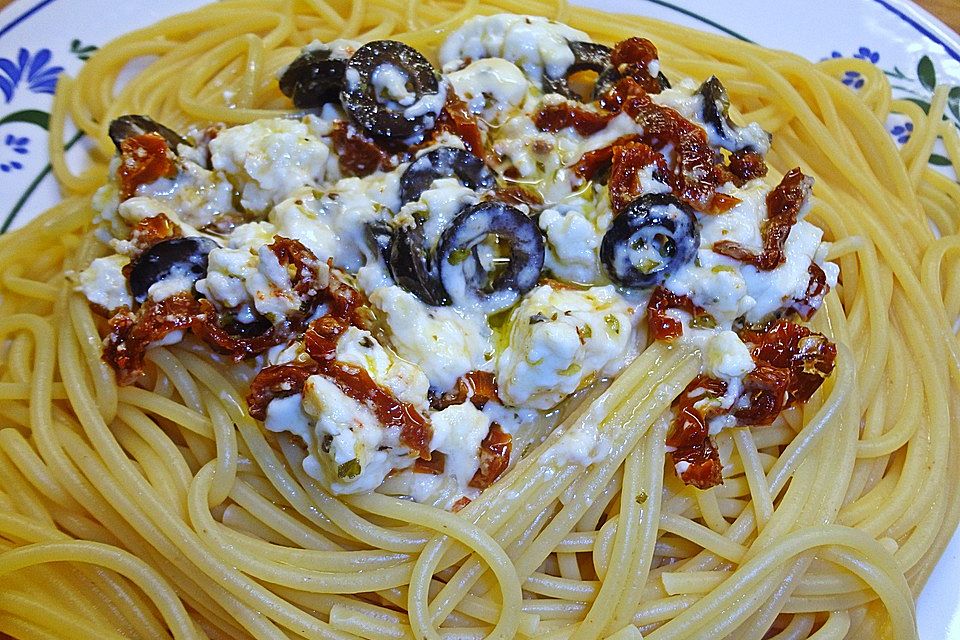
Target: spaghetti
164, 509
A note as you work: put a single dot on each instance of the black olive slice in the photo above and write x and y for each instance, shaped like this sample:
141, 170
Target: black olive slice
444, 162
496, 281
413, 267
651, 239
587, 56
384, 115
313, 79
378, 235
259, 326
131, 125
716, 115
184, 257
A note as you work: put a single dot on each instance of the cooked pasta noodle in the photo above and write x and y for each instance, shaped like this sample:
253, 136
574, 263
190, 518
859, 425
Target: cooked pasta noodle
166, 510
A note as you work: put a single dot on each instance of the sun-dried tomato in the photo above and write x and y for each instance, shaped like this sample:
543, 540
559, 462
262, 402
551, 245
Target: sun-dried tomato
556, 117
357, 153
809, 356
277, 381
690, 433
783, 204
632, 58
694, 409
321, 337
208, 328
143, 159
152, 230
131, 334
480, 387
460, 504
356, 383
661, 325
434, 466
310, 277
457, 119
813, 295
494, 457
516, 195
764, 394
705, 470
746, 166
626, 163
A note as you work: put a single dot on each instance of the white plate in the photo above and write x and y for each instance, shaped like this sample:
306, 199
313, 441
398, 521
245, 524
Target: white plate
41, 38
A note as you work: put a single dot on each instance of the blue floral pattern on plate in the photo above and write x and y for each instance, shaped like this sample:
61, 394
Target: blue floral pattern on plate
17, 145
34, 69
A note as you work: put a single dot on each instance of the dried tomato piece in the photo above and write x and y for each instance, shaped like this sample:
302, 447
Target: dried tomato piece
494, 457
356, 383
783, 205
812, 299
357, 153
457, 119
810, 357
516, 194
556, 117
690, 433
308, 276
322, 335
746, 166
626, 162
153, 230
143, 159
434, 466
131, 334
765, 391
704, 470
479, 387
632, 58
460, 504
695, 406
662, 326
208, 328
277, 381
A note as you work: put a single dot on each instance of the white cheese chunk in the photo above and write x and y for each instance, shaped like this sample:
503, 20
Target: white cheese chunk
560, 340
443, 341
269, 159
458, 431
535, 44
104, 284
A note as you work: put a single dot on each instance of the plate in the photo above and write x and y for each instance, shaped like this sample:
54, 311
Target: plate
39, 39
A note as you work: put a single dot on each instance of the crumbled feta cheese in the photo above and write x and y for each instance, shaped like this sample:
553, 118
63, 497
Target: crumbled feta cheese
458, 431
269, 159
104, 284
404, 380
195, 194
349, 450
573, 236
443, 341
535, 44
491, 87
560, 340
436, 207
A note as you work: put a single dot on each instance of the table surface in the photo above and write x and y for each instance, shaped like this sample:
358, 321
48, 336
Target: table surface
946, 10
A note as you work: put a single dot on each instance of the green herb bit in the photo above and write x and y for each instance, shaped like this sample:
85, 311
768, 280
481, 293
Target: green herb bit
613, 323
459, 255
349, 469
642, 497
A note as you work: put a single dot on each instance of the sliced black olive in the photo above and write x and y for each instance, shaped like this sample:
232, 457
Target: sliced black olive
653, 237
257, 327
129, 126
716, 108
313, 79
413, 267
378, 235
183, 257
587, 56
495, 280
444, 162
383, 115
